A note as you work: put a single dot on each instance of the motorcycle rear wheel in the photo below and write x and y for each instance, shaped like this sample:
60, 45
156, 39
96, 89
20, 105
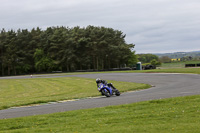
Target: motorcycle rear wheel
117, 93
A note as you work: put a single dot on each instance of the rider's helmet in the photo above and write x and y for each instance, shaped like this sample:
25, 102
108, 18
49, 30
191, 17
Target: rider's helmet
98, 80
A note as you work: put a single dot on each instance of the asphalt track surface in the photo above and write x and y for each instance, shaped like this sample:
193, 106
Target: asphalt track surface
164, 86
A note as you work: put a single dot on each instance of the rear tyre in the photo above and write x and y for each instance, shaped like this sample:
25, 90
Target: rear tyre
117, 93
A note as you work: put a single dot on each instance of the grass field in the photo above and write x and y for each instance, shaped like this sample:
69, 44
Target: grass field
18, 92
168, 70
158, 70
180, 64
178, 115
177, 67
174, 70
181, 114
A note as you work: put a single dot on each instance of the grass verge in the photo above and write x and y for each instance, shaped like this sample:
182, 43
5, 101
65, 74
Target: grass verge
175, 70
168, 70
178, 115
162, 70
178, 64
18, 92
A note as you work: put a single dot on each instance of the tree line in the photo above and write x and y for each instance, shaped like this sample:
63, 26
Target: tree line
63, 49
149, 58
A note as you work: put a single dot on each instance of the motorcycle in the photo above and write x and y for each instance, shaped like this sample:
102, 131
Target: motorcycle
107, 91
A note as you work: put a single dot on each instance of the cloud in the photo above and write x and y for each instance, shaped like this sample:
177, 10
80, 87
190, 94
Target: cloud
153, 25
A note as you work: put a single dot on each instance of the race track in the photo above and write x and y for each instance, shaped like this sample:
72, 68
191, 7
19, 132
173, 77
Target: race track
164, 86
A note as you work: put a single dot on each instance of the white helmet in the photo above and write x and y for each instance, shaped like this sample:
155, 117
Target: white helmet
98, 80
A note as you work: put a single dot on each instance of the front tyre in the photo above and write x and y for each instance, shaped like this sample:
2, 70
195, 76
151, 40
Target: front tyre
106, 92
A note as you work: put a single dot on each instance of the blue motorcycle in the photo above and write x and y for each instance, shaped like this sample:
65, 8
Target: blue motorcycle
107, 91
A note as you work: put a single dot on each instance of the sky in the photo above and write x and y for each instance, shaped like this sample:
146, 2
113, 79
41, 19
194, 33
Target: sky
154, 26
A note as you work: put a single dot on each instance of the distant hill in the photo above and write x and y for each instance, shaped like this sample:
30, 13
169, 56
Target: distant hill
179, 54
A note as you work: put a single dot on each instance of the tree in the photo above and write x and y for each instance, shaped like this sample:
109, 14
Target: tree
133, 60
2, 51
25, 52
10, 56
42, 62
147, 58
63, 48
155, 62
165, 59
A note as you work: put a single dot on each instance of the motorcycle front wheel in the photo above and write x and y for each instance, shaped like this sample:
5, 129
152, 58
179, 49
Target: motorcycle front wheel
106, 92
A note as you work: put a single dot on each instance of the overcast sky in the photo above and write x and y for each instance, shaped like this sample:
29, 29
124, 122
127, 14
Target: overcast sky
154, 26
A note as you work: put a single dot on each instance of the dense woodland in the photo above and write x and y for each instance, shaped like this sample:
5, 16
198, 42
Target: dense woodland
63, 49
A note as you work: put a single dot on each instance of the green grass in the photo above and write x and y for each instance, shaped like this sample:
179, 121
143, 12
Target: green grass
173, 64
175, 70
173, 67
18, 92
178, 115
169, 70
180, 64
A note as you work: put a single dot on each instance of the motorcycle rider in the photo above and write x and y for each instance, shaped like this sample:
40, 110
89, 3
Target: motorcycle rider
98, 81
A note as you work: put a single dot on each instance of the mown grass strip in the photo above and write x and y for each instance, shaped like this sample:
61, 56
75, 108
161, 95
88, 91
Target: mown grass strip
162, 70
168, 70
178, 115
18, 92
178, 64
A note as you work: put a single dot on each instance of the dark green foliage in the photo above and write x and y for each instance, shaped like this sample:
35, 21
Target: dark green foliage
154, 62
147, 58
42, 62
63, 49
133, 60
